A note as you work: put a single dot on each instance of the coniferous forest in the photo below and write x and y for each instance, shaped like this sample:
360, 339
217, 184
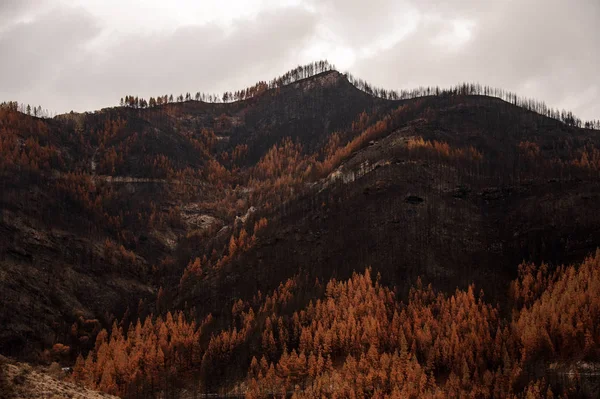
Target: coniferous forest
309, 236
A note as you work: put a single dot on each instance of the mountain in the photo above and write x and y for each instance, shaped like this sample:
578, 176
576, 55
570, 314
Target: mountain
224, 214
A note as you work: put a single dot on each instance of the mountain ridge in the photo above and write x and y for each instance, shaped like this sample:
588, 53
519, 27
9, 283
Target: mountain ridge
307, 182
317, 69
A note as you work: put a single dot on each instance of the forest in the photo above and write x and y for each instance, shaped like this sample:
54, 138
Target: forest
310, 236
355, 339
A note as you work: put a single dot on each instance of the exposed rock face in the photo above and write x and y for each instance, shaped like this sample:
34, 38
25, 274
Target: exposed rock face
195, 220
240, 221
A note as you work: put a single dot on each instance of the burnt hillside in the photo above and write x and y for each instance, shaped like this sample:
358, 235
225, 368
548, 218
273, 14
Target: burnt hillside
124, 212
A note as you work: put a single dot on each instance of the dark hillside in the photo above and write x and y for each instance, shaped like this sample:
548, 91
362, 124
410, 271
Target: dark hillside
90, 184
420, 212
196, 211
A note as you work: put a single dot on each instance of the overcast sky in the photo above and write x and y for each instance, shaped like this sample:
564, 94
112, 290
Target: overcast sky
84, 55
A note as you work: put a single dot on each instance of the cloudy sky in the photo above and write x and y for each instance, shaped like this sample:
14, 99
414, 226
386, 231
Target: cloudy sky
84, 55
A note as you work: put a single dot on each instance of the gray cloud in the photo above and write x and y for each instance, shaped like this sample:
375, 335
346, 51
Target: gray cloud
540, 49
358, 23
66, 58
39, 50
51, 54
11, 10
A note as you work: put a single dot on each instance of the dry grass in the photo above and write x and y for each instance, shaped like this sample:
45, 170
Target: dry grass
20, 380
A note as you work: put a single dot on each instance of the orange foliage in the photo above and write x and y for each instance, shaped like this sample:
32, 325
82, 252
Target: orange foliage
386, 348
357, 340
117, 255
528, 149
444, 150
150, 355
239, 152
589, 159
336, 154
562, 320
23, 143
281, 160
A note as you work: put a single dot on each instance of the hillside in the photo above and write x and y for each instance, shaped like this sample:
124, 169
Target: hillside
204, 208
18, 380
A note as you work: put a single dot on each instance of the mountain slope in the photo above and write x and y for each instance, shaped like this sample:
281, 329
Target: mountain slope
101, 199
125, 213
18, 380
423, 211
